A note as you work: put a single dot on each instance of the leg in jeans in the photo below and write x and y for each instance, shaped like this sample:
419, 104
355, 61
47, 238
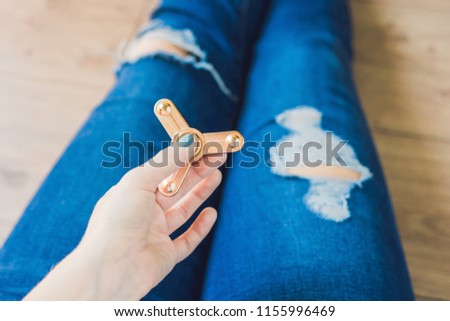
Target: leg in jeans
280, 236
203, 78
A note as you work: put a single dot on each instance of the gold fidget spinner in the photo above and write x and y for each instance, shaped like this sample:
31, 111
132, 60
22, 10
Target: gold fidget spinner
179, 131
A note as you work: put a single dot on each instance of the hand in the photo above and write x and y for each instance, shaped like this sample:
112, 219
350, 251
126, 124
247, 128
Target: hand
127, 249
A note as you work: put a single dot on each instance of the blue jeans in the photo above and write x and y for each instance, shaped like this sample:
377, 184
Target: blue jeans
276, 239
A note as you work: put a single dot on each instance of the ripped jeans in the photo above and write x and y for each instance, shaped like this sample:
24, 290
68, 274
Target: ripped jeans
255, 66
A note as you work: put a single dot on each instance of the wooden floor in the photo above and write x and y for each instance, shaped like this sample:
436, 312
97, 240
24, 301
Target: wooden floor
56, 61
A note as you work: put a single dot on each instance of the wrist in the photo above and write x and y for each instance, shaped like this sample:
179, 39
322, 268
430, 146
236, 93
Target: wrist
111, 269
71, 279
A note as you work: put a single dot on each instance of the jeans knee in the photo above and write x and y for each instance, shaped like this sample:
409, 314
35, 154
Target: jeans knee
159, 40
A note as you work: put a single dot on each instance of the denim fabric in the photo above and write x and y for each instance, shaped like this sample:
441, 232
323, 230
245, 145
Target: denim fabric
266, 244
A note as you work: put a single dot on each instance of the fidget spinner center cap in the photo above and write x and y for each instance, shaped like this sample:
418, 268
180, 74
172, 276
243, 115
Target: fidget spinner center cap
190, 138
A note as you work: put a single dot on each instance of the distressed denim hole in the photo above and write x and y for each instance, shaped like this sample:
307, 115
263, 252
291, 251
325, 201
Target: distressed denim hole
331, 178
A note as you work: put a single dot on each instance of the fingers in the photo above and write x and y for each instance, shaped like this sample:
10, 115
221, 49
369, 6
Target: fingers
152, 172
186, 243
178, 214
197, 173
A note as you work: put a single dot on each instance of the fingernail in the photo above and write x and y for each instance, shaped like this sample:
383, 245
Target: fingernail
186, 140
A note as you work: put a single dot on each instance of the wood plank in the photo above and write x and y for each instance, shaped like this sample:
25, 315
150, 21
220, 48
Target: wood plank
427, 5
401, 69
403, 86
67, 40
402, 37
419, 182
38, 120
405, 102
